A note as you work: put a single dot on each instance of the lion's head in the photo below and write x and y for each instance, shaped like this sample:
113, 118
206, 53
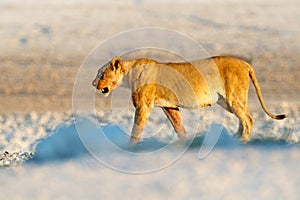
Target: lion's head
109, 76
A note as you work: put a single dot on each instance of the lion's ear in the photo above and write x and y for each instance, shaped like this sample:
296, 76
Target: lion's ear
116, 63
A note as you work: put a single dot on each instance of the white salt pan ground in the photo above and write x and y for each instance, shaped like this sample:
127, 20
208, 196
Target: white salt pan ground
265, 168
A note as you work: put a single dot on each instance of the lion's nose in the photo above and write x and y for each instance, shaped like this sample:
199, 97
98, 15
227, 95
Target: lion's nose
105, 90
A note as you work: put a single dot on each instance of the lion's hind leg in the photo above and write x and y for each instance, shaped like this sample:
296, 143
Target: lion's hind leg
173, 114
240, 110
245, 120
246, 123
224, 104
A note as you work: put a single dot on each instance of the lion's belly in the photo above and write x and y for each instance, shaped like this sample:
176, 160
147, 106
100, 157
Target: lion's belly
191, 101
183, 104
160, 102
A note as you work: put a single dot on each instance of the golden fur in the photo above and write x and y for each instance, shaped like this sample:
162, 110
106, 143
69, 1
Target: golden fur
222, 79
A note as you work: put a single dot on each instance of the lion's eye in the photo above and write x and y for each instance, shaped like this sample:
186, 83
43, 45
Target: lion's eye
100, 75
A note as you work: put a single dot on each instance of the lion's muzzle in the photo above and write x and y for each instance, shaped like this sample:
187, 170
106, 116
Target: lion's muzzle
104, 90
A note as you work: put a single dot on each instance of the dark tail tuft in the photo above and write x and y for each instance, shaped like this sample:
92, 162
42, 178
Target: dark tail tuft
280, 116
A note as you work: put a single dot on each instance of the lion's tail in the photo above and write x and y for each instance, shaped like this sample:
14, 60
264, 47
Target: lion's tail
259, 94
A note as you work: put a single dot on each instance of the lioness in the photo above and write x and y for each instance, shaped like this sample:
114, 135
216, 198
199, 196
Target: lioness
221, 79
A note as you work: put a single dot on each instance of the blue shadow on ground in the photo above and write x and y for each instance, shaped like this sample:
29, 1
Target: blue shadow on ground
65, 143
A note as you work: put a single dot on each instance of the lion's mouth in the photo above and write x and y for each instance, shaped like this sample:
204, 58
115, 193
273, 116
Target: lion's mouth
105, 90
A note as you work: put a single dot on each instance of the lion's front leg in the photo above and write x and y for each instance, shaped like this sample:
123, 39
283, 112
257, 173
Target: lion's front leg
141, 116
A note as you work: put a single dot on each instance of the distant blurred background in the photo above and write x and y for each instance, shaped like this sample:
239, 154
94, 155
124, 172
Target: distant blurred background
43, 43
